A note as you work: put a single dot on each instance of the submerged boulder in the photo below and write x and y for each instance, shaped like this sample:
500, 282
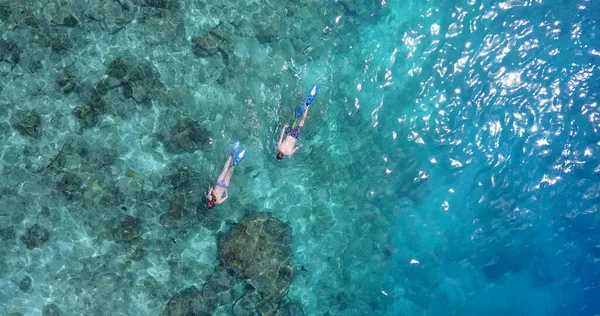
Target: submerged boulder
219, 39
70, 186
187, 302
221, 289
28, 123
129, 230
138, 80
35, 236
51, 310
258, 250
187, 136
9, 51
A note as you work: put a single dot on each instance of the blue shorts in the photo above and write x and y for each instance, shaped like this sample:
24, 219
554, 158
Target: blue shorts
222, 184
295, 132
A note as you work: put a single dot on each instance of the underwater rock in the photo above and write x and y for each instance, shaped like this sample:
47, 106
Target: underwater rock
111, 197
293, 309
105, 85
28, 123
113, 16
69, 185
127, 90
145, 82
216, 40
221, 288
105, 284
161, 4
69, 21
25, 284
66, 83
51, 310
253, 303
59, 45
185, 303
187, 136
247, 305
258, 250
7, 233
100, 157
33, 21
35, 236
138, 80
163, 22
128, 230
9, 52
87, 115
178, 216
4, 11
181, 179
117, 69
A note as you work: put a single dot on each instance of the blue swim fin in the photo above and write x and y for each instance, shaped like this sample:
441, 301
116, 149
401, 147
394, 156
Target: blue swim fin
239, 157
311, 96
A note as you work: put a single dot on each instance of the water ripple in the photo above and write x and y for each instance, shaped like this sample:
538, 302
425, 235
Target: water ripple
505, 112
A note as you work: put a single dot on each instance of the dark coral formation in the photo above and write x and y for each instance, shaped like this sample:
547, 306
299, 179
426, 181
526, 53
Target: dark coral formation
9, 52
129, 230
25, 284
178, 215
113, 16
35, 236
187, 302
187, 136
161, 4
139, 81
216, 40
7, 233
98, 157
87, 115
253, 303
111, 197
220, 289
258, 250
69, 185
28, 123
51, 310
182, 178
69, 21
163, 21
66, 83
117, 69
59, 45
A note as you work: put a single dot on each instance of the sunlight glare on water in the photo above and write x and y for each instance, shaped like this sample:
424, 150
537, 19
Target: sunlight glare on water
499, 98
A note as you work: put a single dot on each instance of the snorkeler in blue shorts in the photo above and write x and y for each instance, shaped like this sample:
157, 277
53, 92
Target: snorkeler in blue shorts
218, 194
287, 146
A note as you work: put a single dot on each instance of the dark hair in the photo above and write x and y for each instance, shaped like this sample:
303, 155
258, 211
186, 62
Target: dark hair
279, 155
211, 202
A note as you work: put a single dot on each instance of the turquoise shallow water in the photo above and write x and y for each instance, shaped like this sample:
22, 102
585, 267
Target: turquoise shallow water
449, 161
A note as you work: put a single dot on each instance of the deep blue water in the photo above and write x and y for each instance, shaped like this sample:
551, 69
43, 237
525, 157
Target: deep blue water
449, 161
497, 103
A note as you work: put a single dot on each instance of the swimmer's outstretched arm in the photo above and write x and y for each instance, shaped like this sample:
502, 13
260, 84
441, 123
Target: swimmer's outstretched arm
296, 148
282, 132
226, 196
